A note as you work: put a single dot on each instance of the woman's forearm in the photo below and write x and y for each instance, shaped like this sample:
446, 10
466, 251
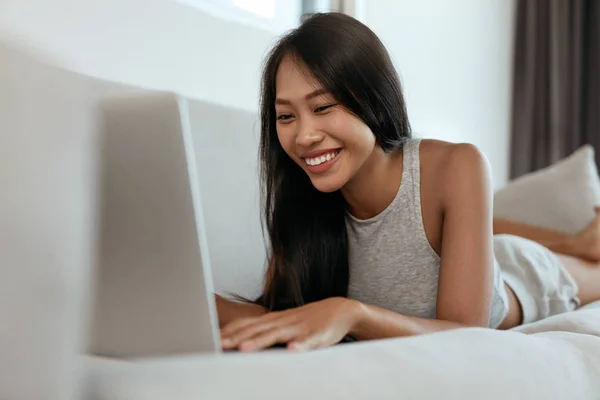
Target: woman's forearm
373, 322
229, 310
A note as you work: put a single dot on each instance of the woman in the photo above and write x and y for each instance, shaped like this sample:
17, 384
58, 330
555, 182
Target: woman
373, 233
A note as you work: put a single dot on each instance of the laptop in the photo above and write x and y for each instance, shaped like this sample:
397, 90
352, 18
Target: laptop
153, 286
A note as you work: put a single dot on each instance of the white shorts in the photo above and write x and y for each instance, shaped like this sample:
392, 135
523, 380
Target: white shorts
540, 282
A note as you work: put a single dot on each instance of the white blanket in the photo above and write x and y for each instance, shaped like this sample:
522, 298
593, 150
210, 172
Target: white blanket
558, 358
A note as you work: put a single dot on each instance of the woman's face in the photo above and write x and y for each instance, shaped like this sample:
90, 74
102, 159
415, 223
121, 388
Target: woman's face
320, 135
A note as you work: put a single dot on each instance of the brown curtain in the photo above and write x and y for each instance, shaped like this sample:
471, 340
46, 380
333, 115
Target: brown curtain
556, 93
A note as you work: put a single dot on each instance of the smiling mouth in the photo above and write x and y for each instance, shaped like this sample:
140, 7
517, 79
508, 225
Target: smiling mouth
322, 159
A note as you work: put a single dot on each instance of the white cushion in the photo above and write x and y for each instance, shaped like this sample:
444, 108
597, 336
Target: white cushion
561, 196
225, 133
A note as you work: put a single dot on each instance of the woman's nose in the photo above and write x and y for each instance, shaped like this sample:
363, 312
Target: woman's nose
308, 134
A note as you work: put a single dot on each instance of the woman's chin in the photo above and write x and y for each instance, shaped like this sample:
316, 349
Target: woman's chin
327, 184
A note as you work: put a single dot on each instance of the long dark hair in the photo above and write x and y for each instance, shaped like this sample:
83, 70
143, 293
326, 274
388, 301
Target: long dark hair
306, 228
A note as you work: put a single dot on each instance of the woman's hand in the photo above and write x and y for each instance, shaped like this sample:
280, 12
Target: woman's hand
315, 325
229, 311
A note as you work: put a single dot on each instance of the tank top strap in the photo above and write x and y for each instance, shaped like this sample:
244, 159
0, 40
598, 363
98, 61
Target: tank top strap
411, 192
411, 174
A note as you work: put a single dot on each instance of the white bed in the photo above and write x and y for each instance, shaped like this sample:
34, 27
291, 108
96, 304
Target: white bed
558, 358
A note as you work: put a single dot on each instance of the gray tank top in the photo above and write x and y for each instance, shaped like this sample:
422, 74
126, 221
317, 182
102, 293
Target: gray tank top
392, 264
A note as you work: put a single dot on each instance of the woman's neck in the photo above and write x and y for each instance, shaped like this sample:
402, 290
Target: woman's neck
376, 184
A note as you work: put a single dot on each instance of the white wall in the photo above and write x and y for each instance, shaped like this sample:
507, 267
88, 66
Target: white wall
455, 61
156, 44
454, 56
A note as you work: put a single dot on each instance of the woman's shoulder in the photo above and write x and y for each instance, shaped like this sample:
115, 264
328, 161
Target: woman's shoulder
450, 158
446, 166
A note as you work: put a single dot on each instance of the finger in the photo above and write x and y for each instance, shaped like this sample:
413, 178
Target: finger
308, 342
247, 332
242, 323
238, 324
282, 334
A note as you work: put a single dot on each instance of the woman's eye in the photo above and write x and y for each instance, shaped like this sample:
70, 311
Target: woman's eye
323, 108
284, 117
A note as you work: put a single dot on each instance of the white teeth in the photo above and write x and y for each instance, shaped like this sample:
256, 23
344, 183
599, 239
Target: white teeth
321, 159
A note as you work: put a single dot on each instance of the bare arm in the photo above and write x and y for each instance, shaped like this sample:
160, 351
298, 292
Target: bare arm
466, 268
229, 310
372, 322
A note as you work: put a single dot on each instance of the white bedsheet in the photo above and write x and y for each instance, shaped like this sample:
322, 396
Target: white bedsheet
558, 358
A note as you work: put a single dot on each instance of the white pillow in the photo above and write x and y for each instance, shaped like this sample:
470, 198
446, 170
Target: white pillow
561, 196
